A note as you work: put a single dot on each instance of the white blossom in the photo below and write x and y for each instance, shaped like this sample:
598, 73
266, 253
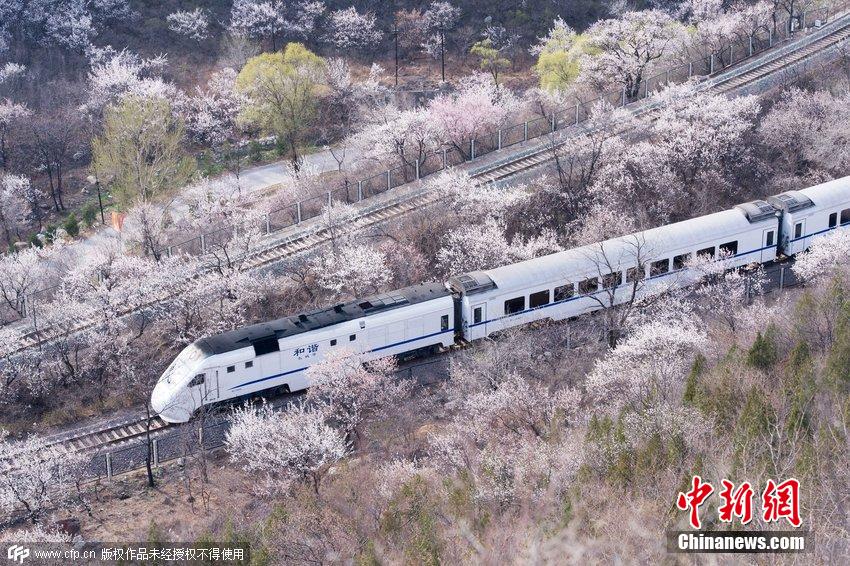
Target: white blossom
347, 390
211, 113
349, 29
14, 206
484, 246
648, 367
286, 446
36, 476
624, 50
193, 24
351, 269
10, 71
826, 255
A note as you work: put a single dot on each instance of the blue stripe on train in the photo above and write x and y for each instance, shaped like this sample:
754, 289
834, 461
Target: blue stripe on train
375, 350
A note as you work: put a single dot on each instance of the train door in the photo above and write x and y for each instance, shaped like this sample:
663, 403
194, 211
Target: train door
478, 321
768, 245
211, 387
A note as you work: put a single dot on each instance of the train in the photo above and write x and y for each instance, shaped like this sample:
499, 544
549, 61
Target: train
471, 306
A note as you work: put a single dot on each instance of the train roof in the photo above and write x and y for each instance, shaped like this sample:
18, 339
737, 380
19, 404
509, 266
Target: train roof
828, 194
322, 318
618, 252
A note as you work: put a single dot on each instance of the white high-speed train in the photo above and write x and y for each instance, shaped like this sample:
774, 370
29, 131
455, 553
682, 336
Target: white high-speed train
473, 305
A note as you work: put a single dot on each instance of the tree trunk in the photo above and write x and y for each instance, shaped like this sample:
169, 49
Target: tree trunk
396, 60
149, 452
443, 55
293, 153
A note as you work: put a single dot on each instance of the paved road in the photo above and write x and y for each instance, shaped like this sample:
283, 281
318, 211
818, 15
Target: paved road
251, 180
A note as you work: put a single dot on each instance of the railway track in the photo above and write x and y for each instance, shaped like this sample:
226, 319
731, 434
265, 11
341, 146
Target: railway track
276, 250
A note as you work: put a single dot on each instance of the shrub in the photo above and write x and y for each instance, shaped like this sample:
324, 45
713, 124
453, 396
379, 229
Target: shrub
72, 225
763, 352
89, 214
255, 151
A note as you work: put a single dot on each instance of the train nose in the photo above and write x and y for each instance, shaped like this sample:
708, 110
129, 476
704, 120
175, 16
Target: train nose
165, 402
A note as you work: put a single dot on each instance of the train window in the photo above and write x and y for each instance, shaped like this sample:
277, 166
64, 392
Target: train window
444, 322
477, 315
635, 274
197, 380
266, 346
768, 239
845, 216
249, 365
352, 338
680, 261
729, 249
798, 230
564, 292
514, 305
538, 299
231, 369
333, 342
659, 267
706, 253
833, 219
611, 280
588, 286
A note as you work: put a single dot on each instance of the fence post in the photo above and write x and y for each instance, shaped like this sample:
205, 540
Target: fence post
203, 244
268, 225
624, 97
201, 437
155, 449
109, 465
803, 20
731, 45
711, 64
667, 77
576, 114
170, 251
472, 148
417, 169
500, 139
329, 198
389, 180
298, 212
770, 37
751, 46
781, 277
525, 132
690, 69
553, 121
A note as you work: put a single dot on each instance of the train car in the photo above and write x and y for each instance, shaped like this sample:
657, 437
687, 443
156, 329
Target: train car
811, 212
588, 278
474, 305
275, 355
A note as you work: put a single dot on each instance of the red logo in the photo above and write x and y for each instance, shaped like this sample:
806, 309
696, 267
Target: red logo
694, 498
778, 501
736, 502
782, 500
